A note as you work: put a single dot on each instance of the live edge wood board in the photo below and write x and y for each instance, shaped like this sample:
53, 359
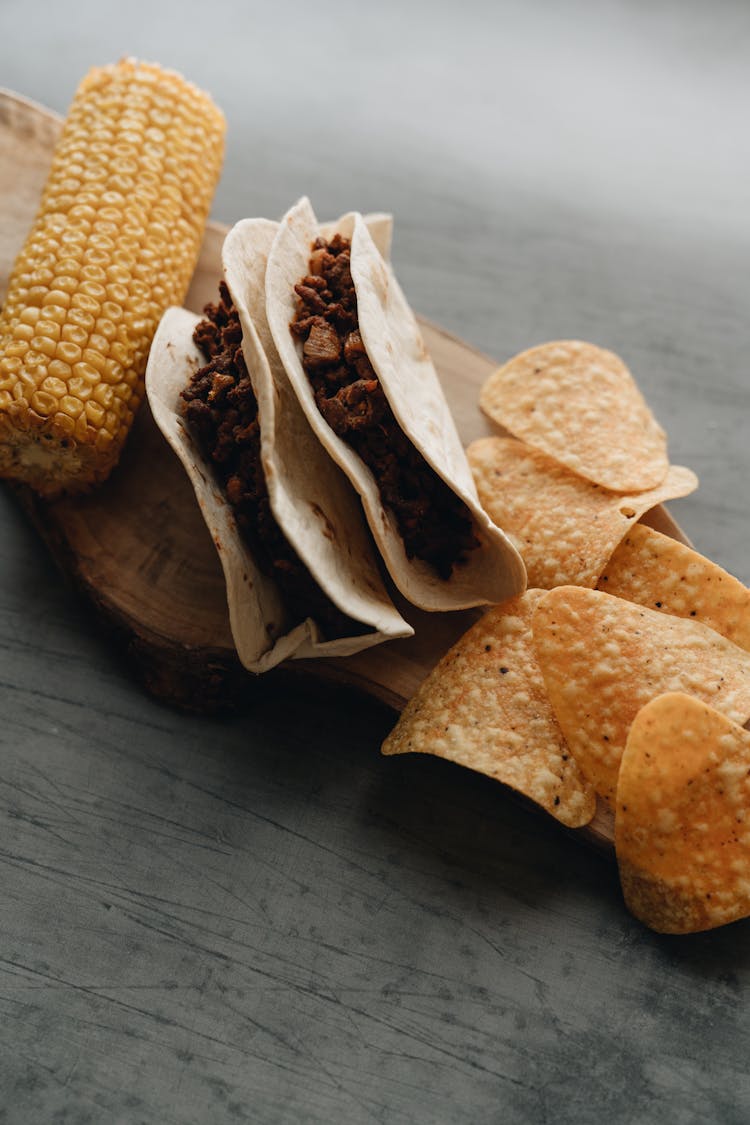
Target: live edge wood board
137, 547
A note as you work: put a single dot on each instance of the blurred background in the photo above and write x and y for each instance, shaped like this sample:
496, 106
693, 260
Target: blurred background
256, 917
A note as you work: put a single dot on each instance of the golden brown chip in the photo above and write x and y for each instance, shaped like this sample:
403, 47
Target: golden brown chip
603, 659
485, 707
682, 831
580, 405
565, 527
658, 572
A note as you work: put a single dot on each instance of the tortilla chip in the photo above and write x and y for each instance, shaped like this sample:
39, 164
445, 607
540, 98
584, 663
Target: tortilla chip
603, 659
682, 831
485, 706
656, 571
580, 405
565, 527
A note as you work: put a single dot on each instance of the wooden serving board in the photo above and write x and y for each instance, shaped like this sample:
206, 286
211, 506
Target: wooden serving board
138, 547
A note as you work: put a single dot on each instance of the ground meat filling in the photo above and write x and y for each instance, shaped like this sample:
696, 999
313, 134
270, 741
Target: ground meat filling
434, 523
222, 413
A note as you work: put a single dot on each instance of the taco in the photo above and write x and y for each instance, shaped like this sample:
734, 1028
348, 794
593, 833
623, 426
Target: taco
353, 353
301, 573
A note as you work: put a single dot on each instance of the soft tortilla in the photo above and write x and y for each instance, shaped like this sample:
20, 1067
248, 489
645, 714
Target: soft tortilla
493, 571
378, 223
262, 632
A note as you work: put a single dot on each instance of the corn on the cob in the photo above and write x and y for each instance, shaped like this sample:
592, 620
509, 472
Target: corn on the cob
114, 244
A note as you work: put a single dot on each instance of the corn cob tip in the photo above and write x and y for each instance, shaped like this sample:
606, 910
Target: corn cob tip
129, 68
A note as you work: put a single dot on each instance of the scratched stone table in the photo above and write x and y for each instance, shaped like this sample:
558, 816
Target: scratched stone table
256, 917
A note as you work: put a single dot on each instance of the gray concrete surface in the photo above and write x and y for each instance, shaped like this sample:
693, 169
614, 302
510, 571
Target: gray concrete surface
257, 918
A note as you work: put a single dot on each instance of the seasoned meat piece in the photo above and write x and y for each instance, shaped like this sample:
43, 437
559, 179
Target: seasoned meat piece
435, 523
322, 346
309, 292
354, 349
356, 407
222, 413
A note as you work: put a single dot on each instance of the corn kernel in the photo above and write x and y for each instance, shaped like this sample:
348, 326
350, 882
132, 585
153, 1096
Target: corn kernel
43, 402
44, 345
78, 387
57, 298
106, 330
64, 424
48, 328
95, 360
91, 272
9, 367
95, 413
81, 319
84, 302
17, 350
55, 314
113, 371
93, 289
71, 406
54, 387
60, 370
87, 373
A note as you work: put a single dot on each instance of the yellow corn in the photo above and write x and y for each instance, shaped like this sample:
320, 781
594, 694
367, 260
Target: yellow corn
115, 242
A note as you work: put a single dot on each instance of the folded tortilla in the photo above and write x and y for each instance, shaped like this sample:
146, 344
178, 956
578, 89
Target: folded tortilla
311, 501
490, 568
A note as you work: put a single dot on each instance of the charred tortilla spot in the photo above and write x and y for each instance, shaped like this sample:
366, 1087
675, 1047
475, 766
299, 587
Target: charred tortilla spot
221, 412
434, 523
330, 531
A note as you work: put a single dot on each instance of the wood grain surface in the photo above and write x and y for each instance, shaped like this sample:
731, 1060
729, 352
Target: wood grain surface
254, 917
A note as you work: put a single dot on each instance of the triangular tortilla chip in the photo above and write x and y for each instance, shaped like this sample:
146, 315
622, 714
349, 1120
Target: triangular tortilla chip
658, 572
580, 405
485, 707
565, 527
682, 831
603, 659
